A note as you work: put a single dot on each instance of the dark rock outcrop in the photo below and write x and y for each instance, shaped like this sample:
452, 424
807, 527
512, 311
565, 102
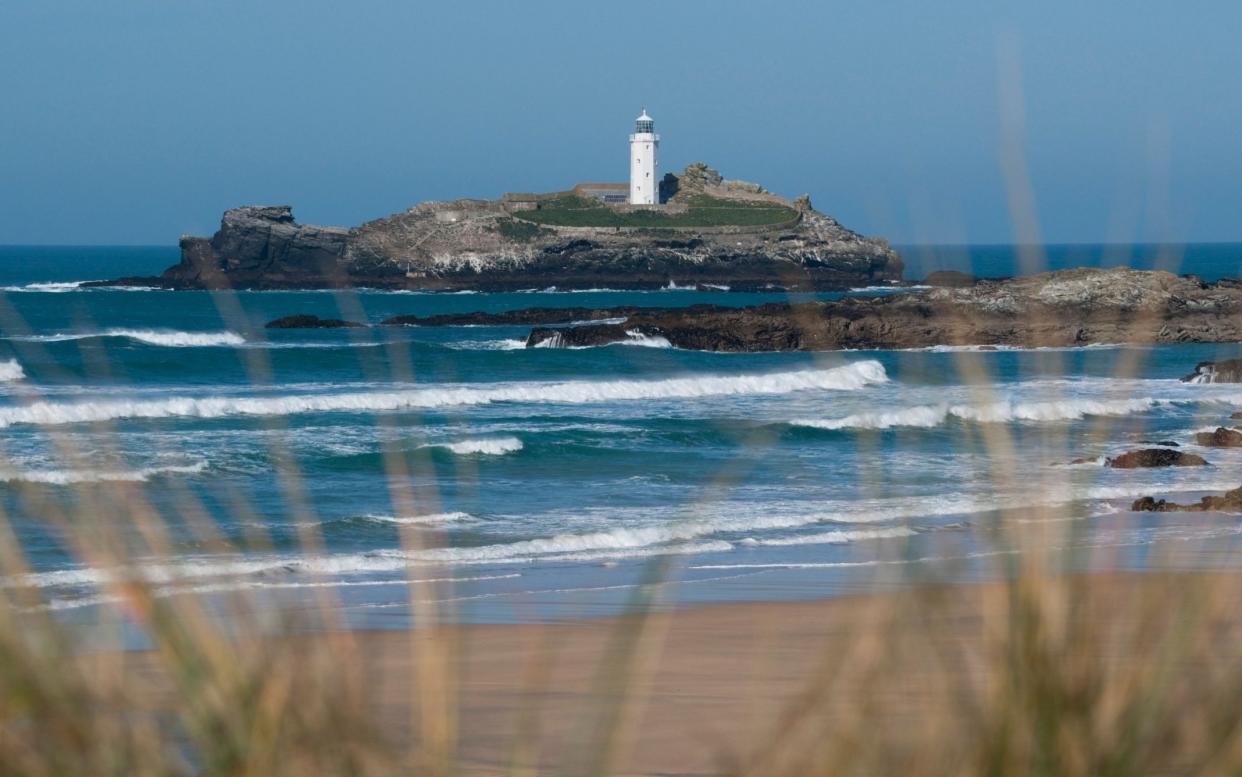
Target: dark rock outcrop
585, 336
1066, 308
1155, 457
1228, 371
950, 279
1221, 438
312, 322
258, 247
1230, 502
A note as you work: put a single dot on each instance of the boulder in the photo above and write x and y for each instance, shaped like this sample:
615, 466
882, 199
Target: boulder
1230, 502
303, 321
1221, 438
585, 336
1228, 371
1155, 457
698, 175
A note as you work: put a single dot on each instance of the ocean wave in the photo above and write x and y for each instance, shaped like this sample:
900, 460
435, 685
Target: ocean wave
928, 416
64, 477
429, 519
833, 537
256, 585
689, 536
495, 446
873, 289
11, 371
50, 287
850, 377
170, 338
487, 345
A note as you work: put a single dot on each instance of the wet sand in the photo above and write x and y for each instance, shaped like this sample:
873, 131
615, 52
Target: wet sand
704, 690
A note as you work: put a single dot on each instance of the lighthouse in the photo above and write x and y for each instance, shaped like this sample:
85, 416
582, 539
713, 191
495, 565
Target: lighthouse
644, 187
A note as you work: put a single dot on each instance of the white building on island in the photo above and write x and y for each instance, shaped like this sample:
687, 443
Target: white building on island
644, 186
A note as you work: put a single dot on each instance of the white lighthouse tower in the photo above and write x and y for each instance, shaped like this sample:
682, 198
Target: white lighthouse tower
644, 186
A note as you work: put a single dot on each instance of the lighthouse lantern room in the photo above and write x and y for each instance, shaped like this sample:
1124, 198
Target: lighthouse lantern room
644, 186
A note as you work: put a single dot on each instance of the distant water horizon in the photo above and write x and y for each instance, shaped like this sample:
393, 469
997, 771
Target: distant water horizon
1209, 260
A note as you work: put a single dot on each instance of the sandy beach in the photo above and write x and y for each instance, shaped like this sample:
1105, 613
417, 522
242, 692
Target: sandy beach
771, 687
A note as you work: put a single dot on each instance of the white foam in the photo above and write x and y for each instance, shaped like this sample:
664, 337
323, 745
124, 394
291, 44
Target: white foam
632, 337
850, 377
48, 287
488, 345
834, 537
429, 519
160, 337
10, 371
928, 416
492, 446
865, 289
645, 340
63, 477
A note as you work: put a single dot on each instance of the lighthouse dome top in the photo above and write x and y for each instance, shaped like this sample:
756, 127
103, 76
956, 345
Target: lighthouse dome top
644, 123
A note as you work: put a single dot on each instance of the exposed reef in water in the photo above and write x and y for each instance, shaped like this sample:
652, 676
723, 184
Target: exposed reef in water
1228, 371
312, 322
1230, 502
507, 245
1058, 309
1220, 438
1069, 308
1155, 457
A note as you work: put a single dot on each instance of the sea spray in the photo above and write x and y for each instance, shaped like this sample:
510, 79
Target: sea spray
928, 416
11, 371
496, 446
158, 337
847, 378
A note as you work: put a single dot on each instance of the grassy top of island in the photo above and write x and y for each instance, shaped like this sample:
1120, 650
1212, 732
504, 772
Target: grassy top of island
702, 211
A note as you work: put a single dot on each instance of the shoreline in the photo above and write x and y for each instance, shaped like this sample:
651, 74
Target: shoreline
705, 686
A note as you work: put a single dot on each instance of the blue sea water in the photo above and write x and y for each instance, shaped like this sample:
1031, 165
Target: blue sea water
542, 483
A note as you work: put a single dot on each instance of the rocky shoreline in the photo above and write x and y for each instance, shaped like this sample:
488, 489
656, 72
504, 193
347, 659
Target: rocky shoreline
1068, 308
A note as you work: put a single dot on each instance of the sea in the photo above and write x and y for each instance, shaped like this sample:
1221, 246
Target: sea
169, 437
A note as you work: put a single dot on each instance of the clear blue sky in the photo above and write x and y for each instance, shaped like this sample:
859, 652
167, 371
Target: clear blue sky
133, 121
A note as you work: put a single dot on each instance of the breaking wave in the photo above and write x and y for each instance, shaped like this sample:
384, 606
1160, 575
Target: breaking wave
166, 338
834, 537
64, 477
850, 377
928, 416
487, 345
430, 519
10, 371
489, 447
48, 287
632, 337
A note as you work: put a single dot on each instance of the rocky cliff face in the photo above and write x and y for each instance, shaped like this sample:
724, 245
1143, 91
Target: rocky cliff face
479, 244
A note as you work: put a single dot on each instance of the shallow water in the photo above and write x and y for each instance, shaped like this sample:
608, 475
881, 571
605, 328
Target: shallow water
548, 483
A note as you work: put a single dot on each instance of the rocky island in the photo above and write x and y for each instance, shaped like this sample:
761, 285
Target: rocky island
705, 231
